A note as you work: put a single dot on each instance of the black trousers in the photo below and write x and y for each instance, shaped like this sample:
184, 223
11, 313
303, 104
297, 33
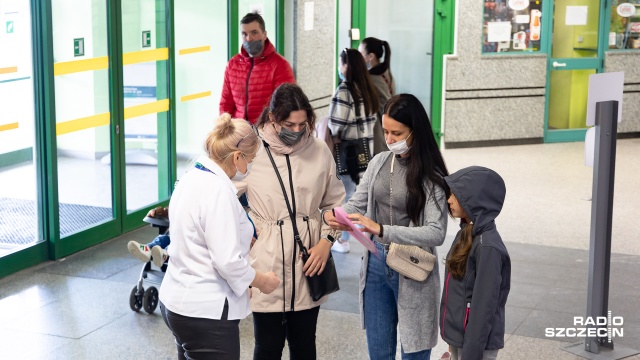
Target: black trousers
200, 338
297, 327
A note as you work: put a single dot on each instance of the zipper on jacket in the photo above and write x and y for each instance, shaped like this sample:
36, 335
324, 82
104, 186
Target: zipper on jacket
466, 316
246, 101
446, 296
293, 276
284, 286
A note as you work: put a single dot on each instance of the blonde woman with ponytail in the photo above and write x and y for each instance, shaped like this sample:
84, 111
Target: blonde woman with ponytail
478, 268
206, 289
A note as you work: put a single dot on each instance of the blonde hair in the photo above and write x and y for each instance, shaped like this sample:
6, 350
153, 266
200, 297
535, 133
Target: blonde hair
230, 135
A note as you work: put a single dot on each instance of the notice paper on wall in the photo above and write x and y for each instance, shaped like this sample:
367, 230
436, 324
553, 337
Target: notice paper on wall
308, 15
576, 15
498, 31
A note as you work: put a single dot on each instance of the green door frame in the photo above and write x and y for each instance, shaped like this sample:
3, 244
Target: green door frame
45, 164
597, 63
444, 29
53, 247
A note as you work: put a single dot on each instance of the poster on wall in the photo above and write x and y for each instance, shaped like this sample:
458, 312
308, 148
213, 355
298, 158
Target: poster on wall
511, 25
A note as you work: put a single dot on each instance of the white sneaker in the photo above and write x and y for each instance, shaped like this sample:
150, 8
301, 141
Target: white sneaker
341, 246
140, 251
159, 256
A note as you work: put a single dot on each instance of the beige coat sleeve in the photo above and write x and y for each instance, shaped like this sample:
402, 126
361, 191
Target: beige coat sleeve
334, 193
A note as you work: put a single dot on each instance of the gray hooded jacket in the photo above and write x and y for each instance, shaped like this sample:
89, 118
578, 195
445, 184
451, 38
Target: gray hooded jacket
472, 311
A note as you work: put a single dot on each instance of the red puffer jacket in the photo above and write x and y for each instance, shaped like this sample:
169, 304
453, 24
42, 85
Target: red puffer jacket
254, 79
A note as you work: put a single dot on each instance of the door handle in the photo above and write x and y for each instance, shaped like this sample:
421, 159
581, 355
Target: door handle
557, 64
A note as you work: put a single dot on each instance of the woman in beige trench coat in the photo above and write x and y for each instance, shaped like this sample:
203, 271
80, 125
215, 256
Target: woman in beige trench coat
306, 166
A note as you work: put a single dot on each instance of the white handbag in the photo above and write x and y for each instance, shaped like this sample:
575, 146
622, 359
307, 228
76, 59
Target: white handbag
411, 261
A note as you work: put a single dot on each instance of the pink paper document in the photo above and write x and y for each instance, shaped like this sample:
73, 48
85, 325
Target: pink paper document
342, 218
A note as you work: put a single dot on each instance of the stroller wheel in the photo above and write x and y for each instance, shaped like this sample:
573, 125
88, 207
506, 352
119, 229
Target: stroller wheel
150, 299
135, 300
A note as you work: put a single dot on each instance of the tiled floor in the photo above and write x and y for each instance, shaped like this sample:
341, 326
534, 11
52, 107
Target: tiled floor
78, 308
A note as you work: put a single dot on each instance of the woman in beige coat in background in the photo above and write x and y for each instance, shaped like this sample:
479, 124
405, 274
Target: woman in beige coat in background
306, 165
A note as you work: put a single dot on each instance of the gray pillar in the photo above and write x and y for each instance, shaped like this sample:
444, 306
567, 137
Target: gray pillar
601, 218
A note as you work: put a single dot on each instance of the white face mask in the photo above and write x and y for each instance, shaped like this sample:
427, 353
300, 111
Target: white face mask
399, 147
240, 176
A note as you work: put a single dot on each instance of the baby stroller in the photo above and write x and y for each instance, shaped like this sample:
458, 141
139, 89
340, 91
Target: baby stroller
148, 299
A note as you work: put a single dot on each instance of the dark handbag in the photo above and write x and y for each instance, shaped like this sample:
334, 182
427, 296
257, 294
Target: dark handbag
351, 156
319, 285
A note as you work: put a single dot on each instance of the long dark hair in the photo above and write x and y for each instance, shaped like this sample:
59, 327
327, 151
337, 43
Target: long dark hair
358, 81
378, 48
457, 262
425, 159
287, 98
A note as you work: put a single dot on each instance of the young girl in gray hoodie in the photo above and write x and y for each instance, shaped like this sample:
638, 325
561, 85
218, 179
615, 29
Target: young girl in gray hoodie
478, 267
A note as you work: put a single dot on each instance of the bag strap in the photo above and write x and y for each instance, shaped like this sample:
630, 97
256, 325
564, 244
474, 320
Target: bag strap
292, 211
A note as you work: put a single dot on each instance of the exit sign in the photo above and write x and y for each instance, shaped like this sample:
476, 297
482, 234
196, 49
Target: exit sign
9, 27
146, 38
78, 47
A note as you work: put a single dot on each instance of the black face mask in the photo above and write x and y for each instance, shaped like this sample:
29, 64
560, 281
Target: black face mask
289, 137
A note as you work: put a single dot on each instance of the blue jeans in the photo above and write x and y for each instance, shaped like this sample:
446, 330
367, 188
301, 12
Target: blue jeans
381, 310
161, 240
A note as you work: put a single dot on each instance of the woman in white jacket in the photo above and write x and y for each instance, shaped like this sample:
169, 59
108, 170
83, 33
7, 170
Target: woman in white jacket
205, 291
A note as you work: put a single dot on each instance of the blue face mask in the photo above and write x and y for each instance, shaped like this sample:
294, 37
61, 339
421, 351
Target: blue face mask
341, 76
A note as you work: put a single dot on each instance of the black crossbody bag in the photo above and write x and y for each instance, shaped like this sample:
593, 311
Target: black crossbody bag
352, 156
319, 285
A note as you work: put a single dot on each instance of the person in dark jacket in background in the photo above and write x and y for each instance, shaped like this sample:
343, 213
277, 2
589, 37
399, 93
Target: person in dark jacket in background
372, 50
478, 267
252, 76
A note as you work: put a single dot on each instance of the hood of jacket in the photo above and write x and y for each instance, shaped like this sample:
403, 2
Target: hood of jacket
481, 192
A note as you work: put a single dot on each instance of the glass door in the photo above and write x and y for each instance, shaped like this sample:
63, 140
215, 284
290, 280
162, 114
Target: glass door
201, 43
20, 223
575, 54
111, 95
145, 60
409, 31
85, 199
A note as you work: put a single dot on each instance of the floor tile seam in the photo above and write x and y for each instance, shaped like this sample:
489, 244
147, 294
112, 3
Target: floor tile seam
570, 249
104, 325
77, 276
521, 321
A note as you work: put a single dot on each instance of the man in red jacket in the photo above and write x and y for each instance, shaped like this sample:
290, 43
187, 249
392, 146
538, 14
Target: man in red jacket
252, 76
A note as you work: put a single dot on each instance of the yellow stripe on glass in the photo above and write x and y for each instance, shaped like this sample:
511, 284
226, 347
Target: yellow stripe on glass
10, 126
145, 109
195, 96
8, 70
101, 63
136, 57
194, 50
70, 67
82, 123
104, 119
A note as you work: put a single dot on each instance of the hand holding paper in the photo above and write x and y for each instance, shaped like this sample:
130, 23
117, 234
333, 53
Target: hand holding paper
343, 218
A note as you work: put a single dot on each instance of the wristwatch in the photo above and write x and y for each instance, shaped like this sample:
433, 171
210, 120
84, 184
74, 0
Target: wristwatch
330, 239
